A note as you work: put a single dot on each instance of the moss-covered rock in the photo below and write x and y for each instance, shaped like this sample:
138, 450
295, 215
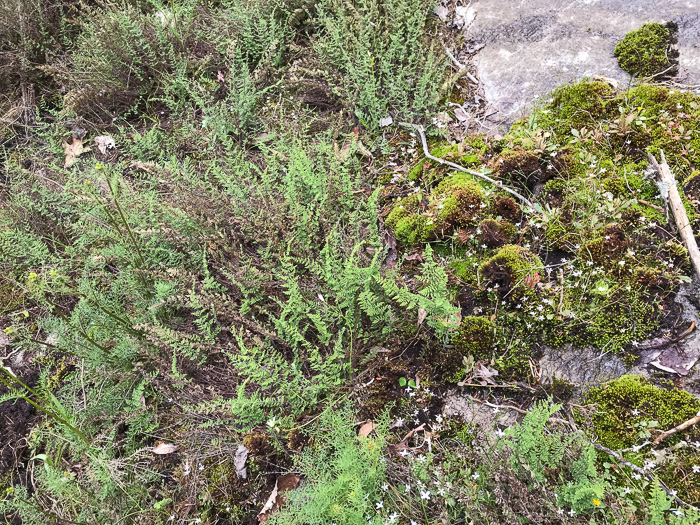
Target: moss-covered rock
410, 225
627, 404
644, 52
513, 268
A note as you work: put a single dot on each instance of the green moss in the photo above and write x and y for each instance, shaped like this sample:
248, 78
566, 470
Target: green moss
512, 267
464, 270
459, 200
402, 209
414, 229
626, 403
415, 174
555, 186
644, 52
475, 337
575, 106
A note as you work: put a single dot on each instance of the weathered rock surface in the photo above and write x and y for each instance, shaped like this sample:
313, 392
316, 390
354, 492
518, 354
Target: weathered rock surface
532, 46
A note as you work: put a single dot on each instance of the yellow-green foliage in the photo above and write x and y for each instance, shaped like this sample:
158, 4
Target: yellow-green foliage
512, 267
630, 400
644, 52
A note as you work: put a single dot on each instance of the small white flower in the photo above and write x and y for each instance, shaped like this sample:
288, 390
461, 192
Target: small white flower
696, 469
500, 433
635, 412
621, 263
627, 490
379, 505
385, 487
392, 517
560, 510
475, 476
572, 513
673, 492
404, 453
678, 512
636, 476
425, 494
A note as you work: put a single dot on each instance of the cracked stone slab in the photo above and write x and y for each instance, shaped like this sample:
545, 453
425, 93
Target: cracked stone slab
533, 46
584, 367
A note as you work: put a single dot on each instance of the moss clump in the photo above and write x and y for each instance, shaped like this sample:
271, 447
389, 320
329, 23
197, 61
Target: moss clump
459, 200
513, 268
625, 404
644, 52
475, 337
575, 106
495, 234
409, 224
507, 208
414, 229
519, 166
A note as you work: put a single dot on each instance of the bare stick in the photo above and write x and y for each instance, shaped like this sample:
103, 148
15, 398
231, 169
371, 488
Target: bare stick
444, 162
677, 429
667, 179
459, 65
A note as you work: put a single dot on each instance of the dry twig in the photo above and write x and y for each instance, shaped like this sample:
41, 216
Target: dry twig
668, 182
444, 162
674, 430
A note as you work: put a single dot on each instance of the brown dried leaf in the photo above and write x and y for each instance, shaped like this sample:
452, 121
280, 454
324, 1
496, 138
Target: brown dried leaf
461, 115
422, 314
73, 150
164, 448
366, 429
276, 500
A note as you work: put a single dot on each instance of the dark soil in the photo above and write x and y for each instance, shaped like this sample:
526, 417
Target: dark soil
16, 418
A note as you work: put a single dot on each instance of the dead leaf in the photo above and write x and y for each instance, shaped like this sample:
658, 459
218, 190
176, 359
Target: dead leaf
422, 314
73, 150
220, 77
164, 448
366, 429
239, 461
104, 143
148, 167
415, 257
486, 373
461, 114
386, 121
276, 500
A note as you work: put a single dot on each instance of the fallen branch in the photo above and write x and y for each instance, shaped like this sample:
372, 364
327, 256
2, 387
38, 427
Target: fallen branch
674, 430
668, 183
444, 162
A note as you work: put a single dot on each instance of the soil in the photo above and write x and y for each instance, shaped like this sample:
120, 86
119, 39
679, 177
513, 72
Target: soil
16, 418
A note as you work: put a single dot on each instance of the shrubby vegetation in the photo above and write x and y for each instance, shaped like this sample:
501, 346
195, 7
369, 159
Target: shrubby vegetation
246, 268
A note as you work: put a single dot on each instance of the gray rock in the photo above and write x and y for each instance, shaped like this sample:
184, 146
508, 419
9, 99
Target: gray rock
531, 47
